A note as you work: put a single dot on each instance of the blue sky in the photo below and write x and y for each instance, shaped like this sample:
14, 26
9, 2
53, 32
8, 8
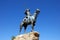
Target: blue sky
48, 21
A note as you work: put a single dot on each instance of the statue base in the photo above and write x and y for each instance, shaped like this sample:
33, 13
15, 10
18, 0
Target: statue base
27, 36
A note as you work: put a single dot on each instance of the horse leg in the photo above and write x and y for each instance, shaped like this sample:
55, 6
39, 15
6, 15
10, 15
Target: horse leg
20, 28
25, 29
21, 25
32, 27
33, 24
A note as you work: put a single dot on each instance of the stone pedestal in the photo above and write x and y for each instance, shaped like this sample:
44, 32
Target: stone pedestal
27, 36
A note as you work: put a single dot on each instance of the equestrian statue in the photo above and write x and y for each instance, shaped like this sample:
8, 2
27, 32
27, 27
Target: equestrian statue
29, 19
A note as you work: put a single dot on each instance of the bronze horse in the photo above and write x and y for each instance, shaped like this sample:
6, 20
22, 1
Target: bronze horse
29, 19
